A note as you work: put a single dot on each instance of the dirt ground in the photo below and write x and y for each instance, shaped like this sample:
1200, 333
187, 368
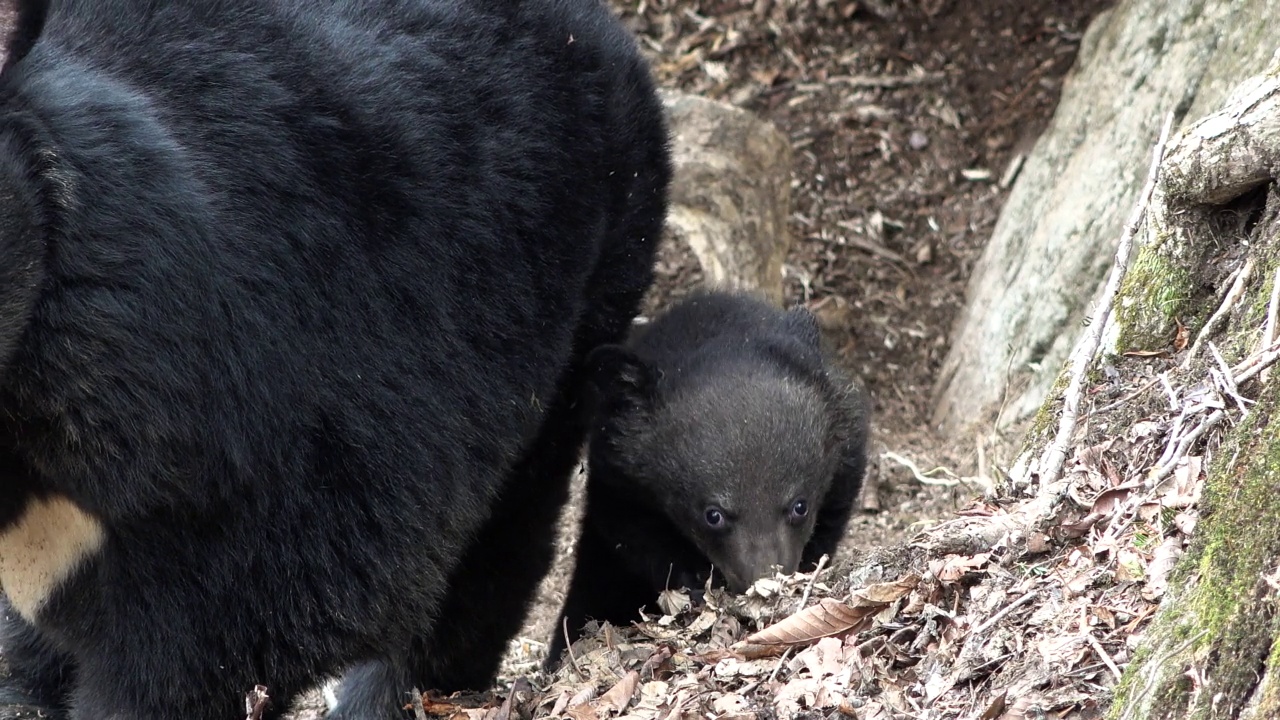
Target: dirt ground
905, 117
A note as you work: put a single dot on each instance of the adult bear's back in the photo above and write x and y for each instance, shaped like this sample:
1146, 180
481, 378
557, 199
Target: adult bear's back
289, 287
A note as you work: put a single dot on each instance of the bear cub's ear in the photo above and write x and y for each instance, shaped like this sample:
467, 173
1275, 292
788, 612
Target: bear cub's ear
619, 375
27, 17
804, 325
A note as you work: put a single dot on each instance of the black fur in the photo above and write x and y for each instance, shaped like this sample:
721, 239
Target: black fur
725, 402
294, 296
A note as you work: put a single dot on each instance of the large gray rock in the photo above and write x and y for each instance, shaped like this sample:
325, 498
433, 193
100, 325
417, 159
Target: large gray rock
731, 193
1049, 254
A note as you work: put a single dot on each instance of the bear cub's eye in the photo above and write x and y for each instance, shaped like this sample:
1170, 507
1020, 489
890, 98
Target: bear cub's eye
799, 509
715, 518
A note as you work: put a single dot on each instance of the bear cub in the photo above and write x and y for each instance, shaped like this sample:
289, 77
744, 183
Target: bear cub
724, 438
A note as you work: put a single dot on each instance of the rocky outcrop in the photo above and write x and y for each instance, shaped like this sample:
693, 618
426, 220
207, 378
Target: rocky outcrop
1034, 286
731, 193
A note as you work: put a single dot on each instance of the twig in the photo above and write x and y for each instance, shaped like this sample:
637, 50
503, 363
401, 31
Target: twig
1185, 444
991, 621
1254, 359
1269, 330
1228, 302
1168, 390
1227, 381
568, 649
980, 441
1175, 434
1263, 362
1152, 678
419, 707
884, 81
1102, 655
915, 470
778, 667
804, 599
822, 563
1131, 396
255, 702
1088, 345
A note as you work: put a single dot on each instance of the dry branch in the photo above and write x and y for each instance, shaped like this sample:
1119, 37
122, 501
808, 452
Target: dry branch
1051, 465
1240, 279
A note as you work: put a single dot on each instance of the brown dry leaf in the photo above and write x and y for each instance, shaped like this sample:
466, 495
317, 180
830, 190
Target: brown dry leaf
560, 704
582, 712
1108, 500
753, 651
1162, 562
704, 622
995, 708
440, 708
520, 693
825, 658
584, 695
729, 704
954, 567
884, 593
715, 655
1185, 490
673, 602
1181, 337
1078, 529
832, 617
1037, 543
1062, 653
1130, 565
1105, 616
1018, 710
619, 696
797, 695
1077, 585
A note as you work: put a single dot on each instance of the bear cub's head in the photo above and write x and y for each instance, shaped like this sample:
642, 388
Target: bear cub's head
722, 416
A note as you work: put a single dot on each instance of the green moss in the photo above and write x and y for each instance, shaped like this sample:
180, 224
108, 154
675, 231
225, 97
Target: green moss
1155, 292
1045, 421
1222, 618
1269, 694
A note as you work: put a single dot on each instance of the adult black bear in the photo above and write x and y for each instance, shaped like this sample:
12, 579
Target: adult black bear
724, 437
294, 297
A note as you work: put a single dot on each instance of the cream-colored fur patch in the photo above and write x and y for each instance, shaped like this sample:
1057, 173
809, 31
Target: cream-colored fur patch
43, 549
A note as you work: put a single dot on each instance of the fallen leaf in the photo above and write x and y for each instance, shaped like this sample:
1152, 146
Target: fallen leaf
995, 708
705, 620
582, 712
673, 602
1062, 653
1181, 336
619, 696
1130, 566
716, 655
1108, 500
832, 617
1162, 562
954, 567
1105, 617
730, 703
1186, 522
1037, 543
